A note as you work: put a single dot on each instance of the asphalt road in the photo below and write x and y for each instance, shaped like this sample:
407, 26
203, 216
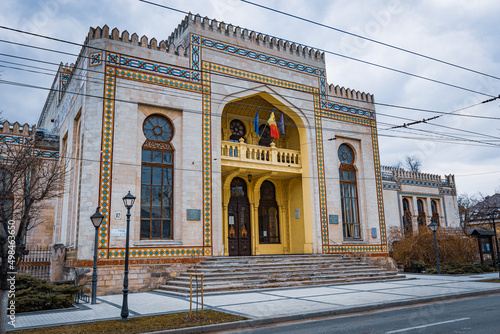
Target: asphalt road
478, 315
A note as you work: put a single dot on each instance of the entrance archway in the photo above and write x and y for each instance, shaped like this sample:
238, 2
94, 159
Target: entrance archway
247, 154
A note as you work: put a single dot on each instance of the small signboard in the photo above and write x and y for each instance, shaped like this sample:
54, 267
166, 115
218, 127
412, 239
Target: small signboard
118, 232
297, 213
333, 219
193, 214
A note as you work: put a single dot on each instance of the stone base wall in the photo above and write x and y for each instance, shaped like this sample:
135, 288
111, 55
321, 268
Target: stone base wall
142, 277
382, 261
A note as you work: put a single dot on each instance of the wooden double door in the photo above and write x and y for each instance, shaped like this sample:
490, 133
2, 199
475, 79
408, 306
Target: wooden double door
239, 220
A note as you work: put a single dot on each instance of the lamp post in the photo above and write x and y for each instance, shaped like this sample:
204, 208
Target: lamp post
128, 201
434, 227
96, 219
492, 216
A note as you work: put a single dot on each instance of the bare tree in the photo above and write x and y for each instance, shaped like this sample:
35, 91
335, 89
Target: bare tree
466, 206
26, 183
413, 163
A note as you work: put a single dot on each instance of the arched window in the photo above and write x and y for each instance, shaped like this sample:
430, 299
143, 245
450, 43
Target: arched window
348, 193
157, 179
421, 213
435, 213
407, 217
269, 224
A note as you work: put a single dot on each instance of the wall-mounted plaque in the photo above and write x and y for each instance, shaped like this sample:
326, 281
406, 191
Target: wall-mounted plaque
193, 214
333, 219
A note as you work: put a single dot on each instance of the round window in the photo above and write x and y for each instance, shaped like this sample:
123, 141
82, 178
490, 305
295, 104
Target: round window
346, 155
157, 128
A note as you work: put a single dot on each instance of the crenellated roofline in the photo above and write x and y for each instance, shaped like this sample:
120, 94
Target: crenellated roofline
16, 128
174, 43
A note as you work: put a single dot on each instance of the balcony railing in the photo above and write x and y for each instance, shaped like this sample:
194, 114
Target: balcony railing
260, 154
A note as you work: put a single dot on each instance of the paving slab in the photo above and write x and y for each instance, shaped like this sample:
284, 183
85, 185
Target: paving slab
277, 304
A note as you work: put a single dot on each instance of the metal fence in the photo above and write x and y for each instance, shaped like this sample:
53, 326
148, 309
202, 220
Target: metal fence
37, 262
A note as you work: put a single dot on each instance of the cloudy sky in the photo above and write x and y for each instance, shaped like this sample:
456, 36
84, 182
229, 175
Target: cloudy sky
461, 32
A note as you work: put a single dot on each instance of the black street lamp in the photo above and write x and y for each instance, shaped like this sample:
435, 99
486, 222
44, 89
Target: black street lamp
434, 227
492, 217
96, 219
128, 201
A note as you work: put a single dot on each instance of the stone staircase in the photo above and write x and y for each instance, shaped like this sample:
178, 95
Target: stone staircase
230, 274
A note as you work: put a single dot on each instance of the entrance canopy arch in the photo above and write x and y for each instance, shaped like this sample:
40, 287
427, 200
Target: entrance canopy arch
283, 160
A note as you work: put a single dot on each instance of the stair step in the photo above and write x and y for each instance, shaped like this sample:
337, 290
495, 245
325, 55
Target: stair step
223, 274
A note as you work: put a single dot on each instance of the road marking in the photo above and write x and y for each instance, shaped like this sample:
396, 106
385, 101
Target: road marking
428, 325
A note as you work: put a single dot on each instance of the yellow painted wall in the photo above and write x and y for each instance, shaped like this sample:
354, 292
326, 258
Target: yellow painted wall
297, 234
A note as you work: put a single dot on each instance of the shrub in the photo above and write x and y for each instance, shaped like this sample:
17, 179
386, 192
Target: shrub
33, 294
457, 268
453, 246
416, 267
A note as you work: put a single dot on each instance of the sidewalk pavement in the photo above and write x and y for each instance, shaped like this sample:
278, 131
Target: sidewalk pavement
277, 305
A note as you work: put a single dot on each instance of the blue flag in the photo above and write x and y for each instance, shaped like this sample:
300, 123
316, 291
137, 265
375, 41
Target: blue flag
256, 123
281, 124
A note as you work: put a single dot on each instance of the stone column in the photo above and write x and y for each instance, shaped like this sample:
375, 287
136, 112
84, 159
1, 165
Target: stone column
57, 261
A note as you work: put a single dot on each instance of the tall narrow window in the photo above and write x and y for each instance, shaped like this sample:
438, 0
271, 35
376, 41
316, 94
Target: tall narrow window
269, 224
407, 217
348, 193
435, 213
157, 179
421, 213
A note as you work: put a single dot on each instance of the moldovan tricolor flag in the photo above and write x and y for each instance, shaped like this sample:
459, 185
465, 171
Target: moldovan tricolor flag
272, 125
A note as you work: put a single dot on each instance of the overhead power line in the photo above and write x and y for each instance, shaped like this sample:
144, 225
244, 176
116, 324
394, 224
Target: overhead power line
60, 40
347, 57
368, 39
406, 125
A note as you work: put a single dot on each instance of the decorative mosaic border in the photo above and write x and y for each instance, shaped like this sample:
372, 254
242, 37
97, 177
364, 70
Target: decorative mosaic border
13, 139
408, 193
261, 78
332, 106
195, 57
322, 85
420, 183
321, 178
356, 249
28, 142
147, 66
95, 58
257, 56
452, 192
347, 118
63, 81
380, 196
141, 253
46, 154
207, 160
106, 165
157, 80
390, 186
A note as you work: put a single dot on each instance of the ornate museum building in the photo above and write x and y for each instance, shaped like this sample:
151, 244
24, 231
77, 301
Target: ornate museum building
233, 143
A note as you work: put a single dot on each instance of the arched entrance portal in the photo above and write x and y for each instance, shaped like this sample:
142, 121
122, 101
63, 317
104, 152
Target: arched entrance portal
239, 219
266, 198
